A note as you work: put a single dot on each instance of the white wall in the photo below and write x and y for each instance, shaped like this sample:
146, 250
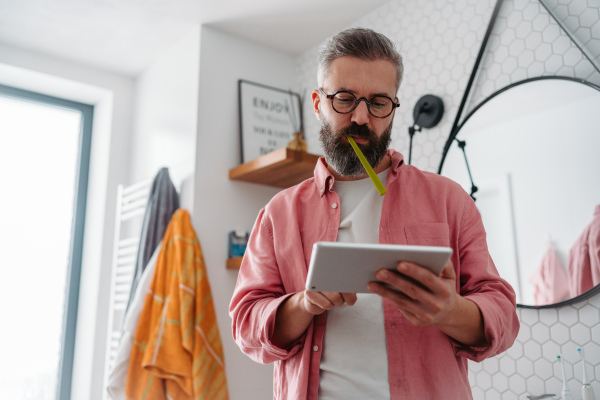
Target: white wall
165, 113
222, 205
111, 95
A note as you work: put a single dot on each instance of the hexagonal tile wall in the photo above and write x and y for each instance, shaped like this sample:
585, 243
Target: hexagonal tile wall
527, 42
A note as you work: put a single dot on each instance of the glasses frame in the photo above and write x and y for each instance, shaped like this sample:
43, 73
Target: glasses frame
358, 100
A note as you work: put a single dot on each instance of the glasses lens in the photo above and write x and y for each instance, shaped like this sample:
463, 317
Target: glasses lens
343, 102
381, 106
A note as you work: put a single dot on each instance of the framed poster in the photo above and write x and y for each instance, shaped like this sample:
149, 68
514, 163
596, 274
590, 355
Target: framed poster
268, 118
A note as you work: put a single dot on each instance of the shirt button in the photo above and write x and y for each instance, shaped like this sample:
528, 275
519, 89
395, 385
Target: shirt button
334, 205
322, 191
315, 348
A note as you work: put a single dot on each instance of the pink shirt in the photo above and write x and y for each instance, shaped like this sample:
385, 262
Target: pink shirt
584, 258
420, 208
549, 281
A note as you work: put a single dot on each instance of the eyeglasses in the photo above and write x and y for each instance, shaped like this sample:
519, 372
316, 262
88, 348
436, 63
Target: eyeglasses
345, 102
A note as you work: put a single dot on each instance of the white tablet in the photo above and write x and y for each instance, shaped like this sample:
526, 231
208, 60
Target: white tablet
349, 267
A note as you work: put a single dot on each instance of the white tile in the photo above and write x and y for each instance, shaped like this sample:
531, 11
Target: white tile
540, 333
509, 395
533, 40
591, 352
491, 365
477, 393
572, 56
475, 366
532, 350
550, 350
577, 7
484, 380
568, 316
588, 19
516, 350
550, 33
589, 315
543, 368
549, 316
561, 45
580, 334
596, 29
595, 300
543, 51
554, 62
540, 22
529, 316
553, 385
508, 366
492, 394
524, 333
524, 367
525, 59
535, 385
517, 384
500, 382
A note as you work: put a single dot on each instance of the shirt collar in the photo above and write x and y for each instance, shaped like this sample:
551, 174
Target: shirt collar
324, 179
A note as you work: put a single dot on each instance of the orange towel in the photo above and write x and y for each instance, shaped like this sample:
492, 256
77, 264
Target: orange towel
177, 352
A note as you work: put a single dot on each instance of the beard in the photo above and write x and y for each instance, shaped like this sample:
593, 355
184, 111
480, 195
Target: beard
340, 154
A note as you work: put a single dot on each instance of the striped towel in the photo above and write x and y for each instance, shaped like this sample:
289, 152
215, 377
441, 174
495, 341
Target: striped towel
177, 352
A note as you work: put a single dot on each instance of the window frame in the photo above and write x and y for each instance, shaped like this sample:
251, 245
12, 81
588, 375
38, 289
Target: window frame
69, 323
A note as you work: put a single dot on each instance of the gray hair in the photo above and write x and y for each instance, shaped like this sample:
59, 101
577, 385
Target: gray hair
362, 43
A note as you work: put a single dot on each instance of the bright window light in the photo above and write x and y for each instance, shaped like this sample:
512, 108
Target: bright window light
39, 149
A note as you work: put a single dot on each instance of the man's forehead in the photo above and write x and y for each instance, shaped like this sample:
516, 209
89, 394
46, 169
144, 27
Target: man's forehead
358, 75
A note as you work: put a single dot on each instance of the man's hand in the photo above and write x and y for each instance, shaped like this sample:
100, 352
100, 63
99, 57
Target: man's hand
297, 312
316, 303
425, 300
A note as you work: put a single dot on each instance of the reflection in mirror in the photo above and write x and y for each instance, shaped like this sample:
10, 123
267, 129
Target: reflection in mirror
533, 152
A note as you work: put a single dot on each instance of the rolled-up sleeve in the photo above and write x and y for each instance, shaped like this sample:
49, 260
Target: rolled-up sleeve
481, 283
258, 294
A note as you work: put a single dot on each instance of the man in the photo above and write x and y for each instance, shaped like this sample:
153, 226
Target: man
409, 343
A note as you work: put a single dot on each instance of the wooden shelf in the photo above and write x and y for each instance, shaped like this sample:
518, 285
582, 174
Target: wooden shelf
234, 262
282, 168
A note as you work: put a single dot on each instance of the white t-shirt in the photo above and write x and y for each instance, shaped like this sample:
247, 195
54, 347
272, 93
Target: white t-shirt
354, 359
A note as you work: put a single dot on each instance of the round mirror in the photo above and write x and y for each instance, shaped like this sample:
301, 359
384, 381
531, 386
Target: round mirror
532, 150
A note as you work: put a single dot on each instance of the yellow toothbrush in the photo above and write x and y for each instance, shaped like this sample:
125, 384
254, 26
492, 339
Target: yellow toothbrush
378, 185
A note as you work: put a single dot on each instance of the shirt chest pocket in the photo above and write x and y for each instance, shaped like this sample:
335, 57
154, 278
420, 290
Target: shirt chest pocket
432, 234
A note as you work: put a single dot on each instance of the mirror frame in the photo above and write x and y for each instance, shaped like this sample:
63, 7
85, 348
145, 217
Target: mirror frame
459, 126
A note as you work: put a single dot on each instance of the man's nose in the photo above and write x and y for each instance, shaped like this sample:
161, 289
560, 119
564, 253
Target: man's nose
360, 114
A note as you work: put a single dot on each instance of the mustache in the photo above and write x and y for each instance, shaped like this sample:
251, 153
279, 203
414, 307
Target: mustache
356, 130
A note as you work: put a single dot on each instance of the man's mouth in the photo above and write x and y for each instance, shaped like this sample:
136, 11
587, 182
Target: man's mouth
360, 140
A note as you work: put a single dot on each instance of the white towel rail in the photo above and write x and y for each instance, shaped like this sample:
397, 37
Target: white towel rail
131, 202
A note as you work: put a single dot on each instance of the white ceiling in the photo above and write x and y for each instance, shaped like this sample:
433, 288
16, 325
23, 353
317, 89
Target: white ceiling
125, 36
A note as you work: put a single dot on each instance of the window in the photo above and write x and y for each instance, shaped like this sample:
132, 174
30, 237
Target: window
44, 162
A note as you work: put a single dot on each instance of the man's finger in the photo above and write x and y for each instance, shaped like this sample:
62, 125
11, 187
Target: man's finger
349, 298
448, 271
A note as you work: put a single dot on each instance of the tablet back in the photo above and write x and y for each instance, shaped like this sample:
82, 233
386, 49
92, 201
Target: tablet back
349, 267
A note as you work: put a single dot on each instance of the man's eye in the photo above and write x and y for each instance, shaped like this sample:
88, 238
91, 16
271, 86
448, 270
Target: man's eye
379, 103
345, 99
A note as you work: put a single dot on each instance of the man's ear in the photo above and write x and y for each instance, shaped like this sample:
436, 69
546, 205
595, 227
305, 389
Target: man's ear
316, 99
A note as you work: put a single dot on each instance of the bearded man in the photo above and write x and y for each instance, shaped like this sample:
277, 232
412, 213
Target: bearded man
411, 338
